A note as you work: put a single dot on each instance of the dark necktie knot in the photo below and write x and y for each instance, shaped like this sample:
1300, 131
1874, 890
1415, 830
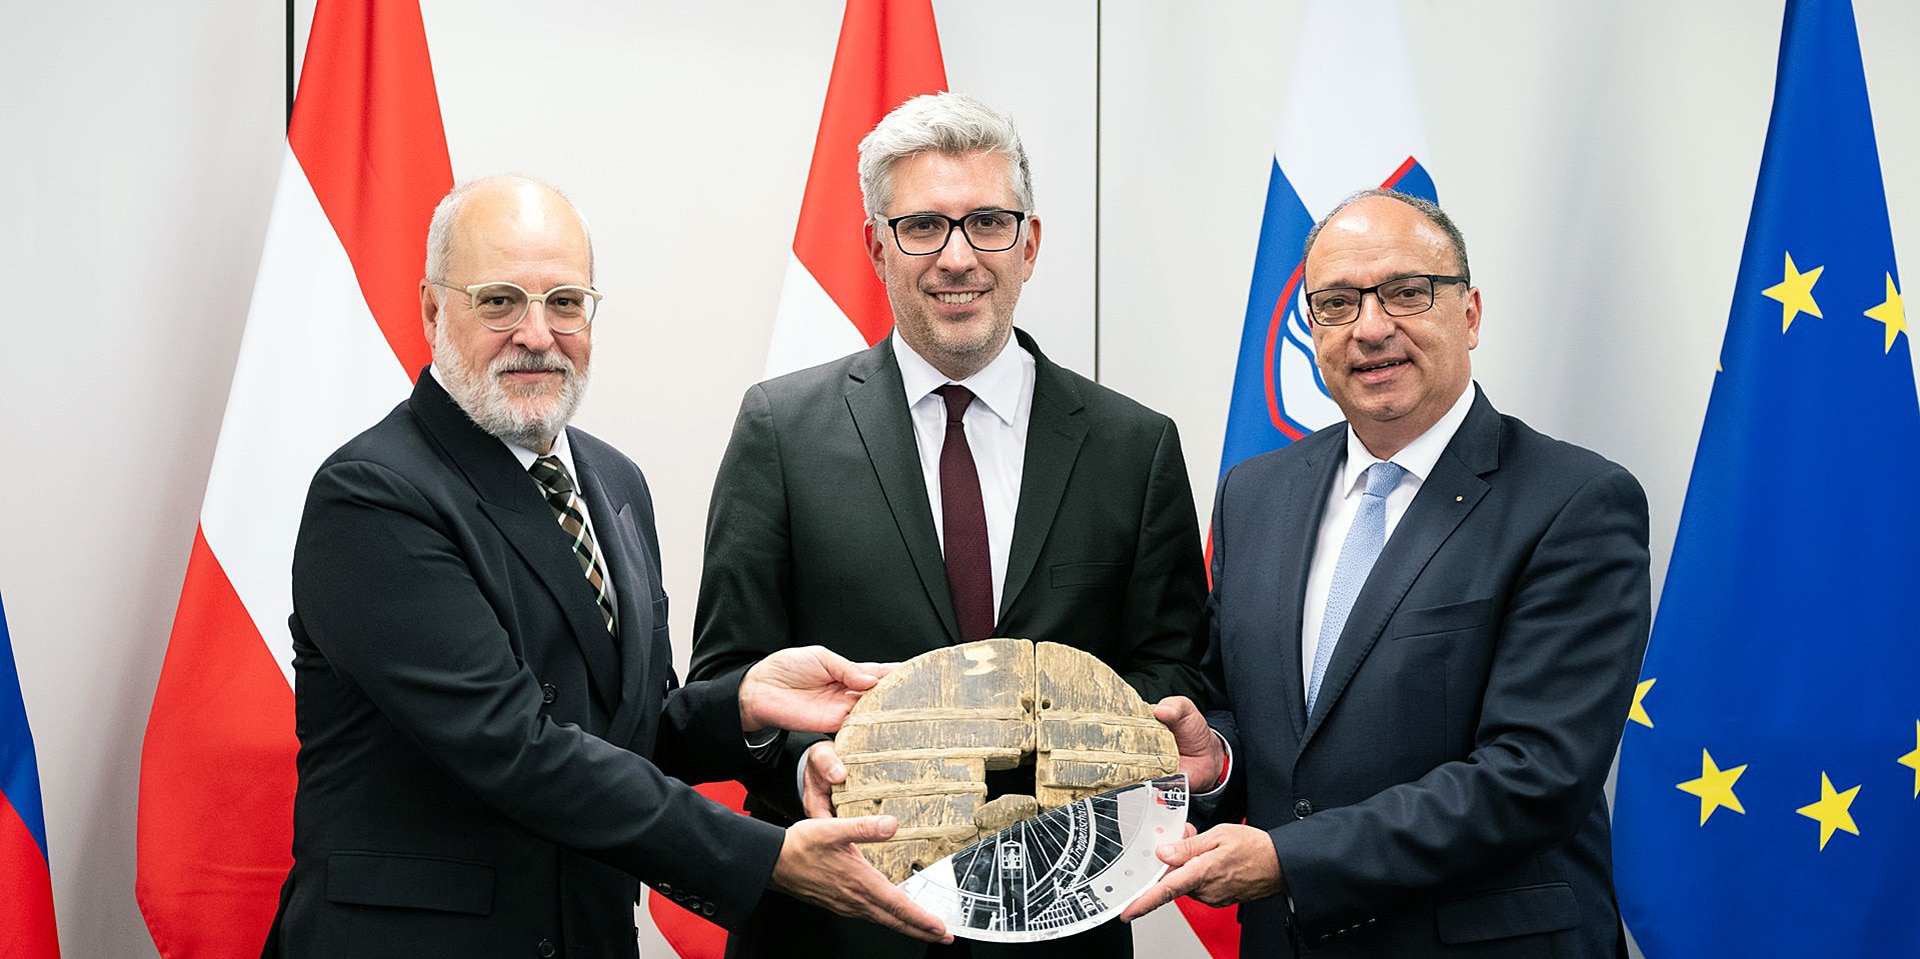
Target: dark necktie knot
552, 476
958, 399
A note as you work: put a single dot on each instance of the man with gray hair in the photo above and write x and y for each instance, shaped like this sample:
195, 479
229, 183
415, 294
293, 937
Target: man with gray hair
489, 723
949, 484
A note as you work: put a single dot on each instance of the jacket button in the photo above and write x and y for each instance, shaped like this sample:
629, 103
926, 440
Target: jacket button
547, 694
707, 908
1302, 809
545, 949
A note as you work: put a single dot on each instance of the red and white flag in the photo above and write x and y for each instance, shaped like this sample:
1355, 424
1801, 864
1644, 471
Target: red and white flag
332, 342
832, 304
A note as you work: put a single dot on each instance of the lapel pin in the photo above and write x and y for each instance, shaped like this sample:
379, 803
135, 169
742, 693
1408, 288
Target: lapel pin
1459, 499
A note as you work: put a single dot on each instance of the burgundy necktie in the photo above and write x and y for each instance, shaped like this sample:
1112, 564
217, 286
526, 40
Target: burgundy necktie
963, 520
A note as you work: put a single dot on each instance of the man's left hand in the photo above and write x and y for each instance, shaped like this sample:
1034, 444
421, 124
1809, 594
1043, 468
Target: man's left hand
807, 689
1222, 866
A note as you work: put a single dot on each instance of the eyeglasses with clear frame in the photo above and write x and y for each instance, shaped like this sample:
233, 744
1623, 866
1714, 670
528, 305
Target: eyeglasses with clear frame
1400, 296
500, 306
988, 231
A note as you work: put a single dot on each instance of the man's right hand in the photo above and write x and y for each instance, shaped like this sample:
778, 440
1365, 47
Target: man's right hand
1201, 753
819, 864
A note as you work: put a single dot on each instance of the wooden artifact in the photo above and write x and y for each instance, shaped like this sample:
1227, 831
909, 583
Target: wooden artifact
918, 745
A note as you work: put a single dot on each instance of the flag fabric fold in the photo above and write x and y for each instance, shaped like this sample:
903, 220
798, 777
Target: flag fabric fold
332, 340
832, 304
26, 883
1768, 800
1336, 138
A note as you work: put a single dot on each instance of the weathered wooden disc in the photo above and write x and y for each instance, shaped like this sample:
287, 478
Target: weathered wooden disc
918, 745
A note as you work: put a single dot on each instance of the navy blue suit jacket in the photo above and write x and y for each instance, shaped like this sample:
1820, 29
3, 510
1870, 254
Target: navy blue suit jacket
1445, 798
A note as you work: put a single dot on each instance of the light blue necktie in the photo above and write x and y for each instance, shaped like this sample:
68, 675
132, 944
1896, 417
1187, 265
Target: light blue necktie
1364, 539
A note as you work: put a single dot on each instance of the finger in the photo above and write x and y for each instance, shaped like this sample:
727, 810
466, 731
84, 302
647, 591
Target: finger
896, 911
1191, 831
858, 829
843, 670
1156, 895
824, 769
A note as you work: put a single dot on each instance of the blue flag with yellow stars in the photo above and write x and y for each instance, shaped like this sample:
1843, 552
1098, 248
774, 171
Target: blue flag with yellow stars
1768, 801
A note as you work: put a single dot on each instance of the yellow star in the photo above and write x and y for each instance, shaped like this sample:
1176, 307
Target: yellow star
1714, 787
1912, 760
1832, 811
1639, 711
1892, 313
1795, 293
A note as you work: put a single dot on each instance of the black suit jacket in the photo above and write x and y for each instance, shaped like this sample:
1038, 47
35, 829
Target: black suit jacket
820, 532
1445, 799
484, 771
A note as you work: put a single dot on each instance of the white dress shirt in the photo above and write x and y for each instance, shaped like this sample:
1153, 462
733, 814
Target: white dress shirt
563, 450
1343, 501
996, 426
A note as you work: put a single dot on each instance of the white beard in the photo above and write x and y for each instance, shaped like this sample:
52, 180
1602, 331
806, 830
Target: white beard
491, 405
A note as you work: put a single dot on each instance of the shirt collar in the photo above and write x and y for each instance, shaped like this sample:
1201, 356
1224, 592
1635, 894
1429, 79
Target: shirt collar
997, 385
1417, 457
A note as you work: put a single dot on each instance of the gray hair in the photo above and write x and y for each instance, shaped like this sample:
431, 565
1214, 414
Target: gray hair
440, 230
1427, 208
950, 124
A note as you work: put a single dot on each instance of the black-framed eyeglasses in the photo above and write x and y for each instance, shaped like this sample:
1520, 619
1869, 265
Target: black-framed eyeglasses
1400, 296
500, 306
924, 234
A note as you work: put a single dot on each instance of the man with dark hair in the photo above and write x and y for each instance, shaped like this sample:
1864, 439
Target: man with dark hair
1426, 623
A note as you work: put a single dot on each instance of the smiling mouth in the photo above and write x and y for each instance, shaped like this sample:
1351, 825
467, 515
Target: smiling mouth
1374, 367
957, 299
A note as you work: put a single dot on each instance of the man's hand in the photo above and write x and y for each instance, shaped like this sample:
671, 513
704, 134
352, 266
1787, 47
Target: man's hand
1200, 751
820, 771
1222, 866
807, 689
819, 864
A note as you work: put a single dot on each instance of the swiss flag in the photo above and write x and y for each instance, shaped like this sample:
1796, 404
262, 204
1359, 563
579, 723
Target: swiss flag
332, 340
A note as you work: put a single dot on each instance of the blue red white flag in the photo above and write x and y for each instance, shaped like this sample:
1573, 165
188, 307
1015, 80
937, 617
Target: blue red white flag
1342, 130
1769, 789
26, 885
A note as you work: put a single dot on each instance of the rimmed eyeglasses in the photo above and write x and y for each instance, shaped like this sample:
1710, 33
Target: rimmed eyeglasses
924, 234
501, 306
1400, 296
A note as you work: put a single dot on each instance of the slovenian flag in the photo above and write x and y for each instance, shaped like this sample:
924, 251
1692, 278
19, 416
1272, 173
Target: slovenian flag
26, 886
1351, 122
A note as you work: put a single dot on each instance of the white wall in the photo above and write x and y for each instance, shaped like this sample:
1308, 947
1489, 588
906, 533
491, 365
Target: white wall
1600, 157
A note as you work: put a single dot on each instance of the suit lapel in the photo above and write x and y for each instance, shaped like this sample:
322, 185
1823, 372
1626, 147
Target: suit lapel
633, 575
1293, 516
1055, 432
512, 502
876, 397
1446, 497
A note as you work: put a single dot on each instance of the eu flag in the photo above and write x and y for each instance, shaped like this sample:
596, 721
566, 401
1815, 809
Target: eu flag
1769, 794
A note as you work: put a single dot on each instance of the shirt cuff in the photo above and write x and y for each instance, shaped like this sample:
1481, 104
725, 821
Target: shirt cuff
1226, 768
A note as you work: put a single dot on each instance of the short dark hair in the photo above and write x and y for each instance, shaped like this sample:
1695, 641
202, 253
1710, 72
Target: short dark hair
1427, 208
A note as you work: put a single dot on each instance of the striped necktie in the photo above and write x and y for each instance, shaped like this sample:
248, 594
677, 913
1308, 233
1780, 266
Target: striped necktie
552, 476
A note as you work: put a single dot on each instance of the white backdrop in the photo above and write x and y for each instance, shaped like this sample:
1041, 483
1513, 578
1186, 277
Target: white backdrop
1600, 158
